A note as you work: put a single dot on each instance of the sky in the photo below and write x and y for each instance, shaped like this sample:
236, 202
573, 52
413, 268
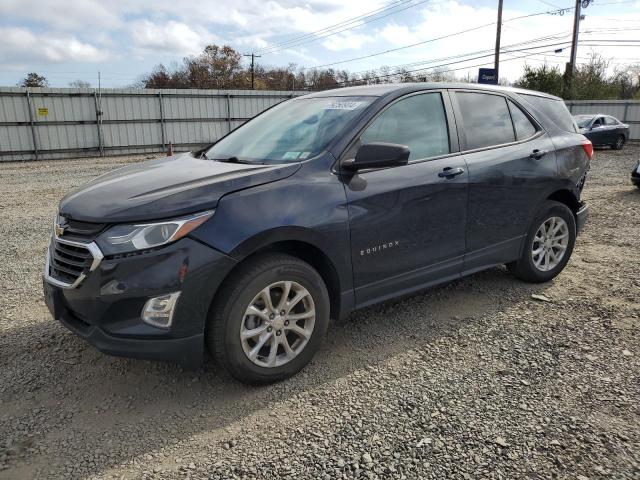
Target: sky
67, 40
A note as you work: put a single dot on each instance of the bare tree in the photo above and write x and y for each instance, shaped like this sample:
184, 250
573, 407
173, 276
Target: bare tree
79, 84
34, 80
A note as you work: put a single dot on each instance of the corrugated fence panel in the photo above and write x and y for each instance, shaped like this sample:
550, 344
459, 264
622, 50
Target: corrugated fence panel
64, 121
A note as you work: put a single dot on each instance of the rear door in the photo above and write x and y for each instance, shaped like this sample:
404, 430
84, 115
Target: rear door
510, 160
611, 130
408, 222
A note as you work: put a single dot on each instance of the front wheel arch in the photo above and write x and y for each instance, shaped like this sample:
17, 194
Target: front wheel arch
306, 252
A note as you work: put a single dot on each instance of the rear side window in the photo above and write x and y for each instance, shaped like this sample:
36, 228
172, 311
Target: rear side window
556, 110
486, 120
418, 121
521, 123
610, 121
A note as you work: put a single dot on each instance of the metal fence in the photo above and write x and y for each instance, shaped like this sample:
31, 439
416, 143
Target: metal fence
627, 111
48, 123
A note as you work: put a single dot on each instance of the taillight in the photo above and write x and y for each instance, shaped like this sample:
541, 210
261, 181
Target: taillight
588, 148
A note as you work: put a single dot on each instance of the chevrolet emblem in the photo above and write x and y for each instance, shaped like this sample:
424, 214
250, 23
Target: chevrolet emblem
59, 229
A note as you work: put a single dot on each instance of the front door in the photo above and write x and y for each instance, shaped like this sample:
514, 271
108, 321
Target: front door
408, 222
598, 133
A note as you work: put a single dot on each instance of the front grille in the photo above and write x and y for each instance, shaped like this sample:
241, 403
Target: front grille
68, 262
83, 231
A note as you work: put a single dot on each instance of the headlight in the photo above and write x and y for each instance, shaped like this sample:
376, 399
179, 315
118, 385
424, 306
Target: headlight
129, 238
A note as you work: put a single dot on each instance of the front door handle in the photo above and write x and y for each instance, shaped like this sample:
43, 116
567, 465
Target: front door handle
537, 154
450, 173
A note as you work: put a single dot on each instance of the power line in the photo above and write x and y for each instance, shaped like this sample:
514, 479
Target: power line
556, 36
345, 22
478, 27
479, 57
315, 37
403, 47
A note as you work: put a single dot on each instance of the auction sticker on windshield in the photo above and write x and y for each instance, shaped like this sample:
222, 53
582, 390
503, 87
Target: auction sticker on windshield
344, 105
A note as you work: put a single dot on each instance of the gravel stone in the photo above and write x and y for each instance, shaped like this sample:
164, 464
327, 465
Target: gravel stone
422, 386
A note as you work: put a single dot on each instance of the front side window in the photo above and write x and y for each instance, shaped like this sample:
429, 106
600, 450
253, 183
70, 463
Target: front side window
418, 122
291, 132
486, 119
521, 123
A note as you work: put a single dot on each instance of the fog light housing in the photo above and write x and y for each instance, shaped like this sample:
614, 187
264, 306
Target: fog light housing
158, 311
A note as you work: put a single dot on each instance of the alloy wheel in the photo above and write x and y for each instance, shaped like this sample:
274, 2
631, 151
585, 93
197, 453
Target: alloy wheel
550, 244
277, 324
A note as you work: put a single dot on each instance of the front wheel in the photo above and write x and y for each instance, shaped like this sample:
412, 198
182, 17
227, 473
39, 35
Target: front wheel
548, 245
269, 319
619, 143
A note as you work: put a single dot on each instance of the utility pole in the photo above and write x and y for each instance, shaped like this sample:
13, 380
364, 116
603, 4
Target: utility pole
496, 61
253, 57
574, 40
571, 65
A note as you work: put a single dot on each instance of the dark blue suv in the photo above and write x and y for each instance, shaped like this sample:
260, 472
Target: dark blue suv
318, 206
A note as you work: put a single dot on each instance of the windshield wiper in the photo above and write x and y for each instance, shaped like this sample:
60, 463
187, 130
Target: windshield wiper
236, 160
203, 155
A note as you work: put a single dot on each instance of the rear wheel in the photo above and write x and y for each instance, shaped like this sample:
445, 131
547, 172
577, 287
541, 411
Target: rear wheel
548, 245
269, 319
619, 143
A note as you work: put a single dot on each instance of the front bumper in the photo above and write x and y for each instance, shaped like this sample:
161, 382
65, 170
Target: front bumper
105, 307
581, 216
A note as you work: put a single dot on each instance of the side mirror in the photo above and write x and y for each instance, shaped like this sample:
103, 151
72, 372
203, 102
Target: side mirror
378, 155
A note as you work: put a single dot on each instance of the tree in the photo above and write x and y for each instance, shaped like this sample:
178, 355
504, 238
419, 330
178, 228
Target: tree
543, 79
590, 81
79, 84
34, 80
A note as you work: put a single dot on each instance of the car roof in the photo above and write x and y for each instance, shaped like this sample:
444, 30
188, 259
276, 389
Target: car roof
391, 88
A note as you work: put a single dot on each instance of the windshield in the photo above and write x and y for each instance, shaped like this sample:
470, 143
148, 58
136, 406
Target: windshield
583, 121
289, 132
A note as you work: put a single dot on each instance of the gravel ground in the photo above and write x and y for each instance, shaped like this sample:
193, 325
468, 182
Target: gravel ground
486, 377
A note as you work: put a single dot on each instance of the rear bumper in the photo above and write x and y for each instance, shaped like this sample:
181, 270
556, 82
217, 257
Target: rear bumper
581, 217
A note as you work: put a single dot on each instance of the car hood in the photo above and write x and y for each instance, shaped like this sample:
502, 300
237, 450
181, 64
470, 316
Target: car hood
164, 188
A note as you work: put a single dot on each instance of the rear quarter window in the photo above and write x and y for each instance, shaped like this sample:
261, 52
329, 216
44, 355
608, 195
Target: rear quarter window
556, 110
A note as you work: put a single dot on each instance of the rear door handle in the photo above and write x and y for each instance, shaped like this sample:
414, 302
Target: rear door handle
450, 172
538, 154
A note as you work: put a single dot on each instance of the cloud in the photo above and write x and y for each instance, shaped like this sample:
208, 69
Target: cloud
346, 41
67, 15
21, 46
171, 37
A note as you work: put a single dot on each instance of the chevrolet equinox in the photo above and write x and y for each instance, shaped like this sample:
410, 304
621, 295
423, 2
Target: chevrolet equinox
320, 205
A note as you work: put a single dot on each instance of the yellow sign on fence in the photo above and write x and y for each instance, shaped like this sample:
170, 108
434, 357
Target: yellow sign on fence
43, 112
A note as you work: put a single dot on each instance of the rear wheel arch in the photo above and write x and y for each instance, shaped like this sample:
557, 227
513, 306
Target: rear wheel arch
566, 197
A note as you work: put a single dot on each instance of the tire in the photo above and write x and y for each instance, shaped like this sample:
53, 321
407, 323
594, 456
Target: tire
525, 268
619, 145
229, 316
